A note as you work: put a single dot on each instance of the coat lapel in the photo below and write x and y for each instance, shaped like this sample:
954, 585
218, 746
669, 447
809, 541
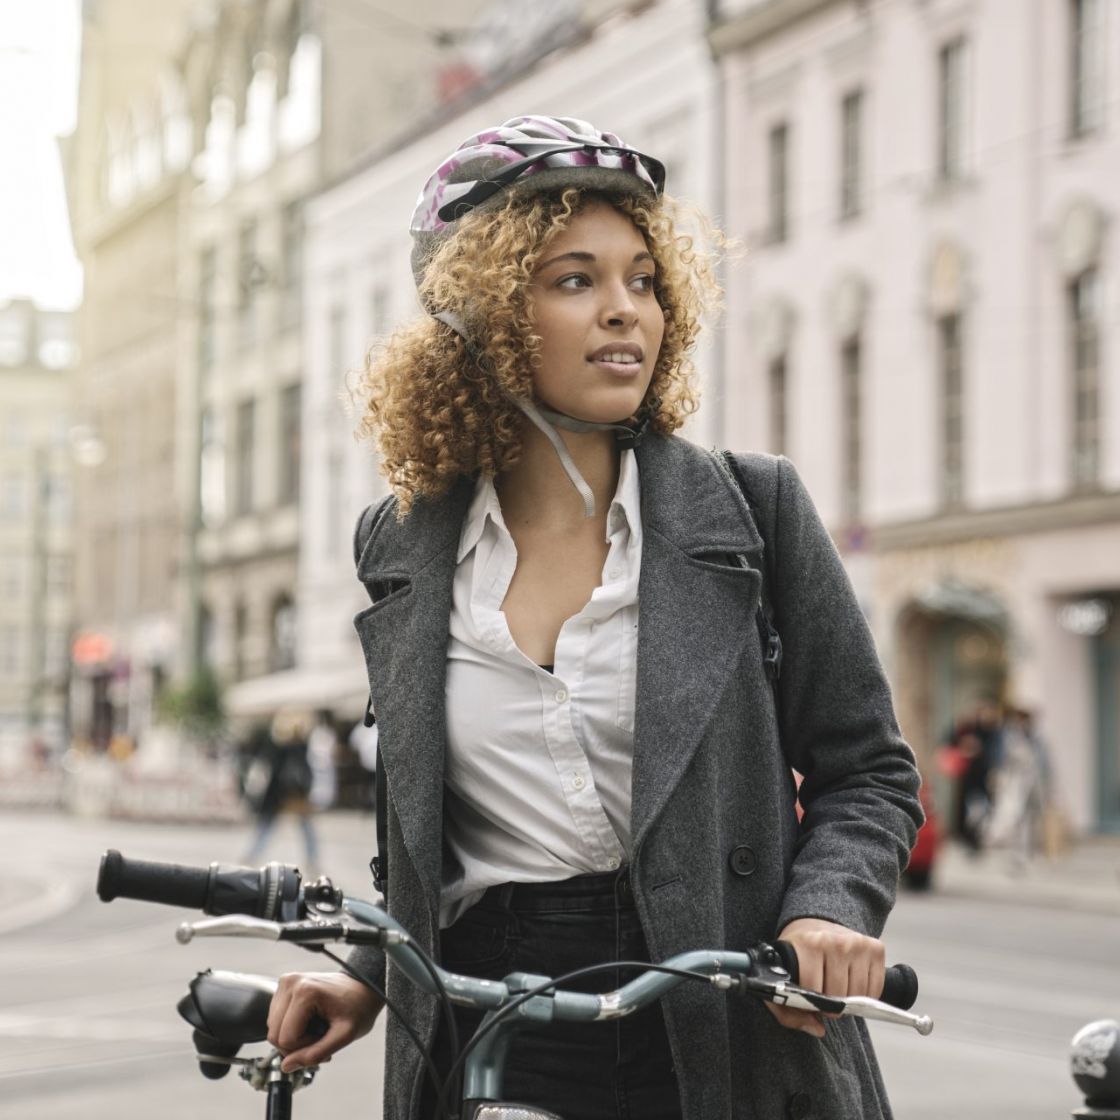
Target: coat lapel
411, 567
696, 611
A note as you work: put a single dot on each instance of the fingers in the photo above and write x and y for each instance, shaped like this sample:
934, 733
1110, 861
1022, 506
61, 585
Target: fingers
319, 1051
348, 1008
834, 960
807, 1021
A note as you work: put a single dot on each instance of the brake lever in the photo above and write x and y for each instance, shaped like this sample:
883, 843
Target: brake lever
785, 994
313, 933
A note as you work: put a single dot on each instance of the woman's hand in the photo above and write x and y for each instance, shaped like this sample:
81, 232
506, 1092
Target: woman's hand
346, 1004
834, 960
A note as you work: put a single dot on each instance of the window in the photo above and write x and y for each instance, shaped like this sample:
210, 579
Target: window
1084, 356
291, 304
11, 583
246, 452
250, 276
11, 659
205, 635
379, 310
779, 183
289, 444
211, 470
282, 634
57, 498
337, 343
851, 398
952, 410
207, 279
778, 417
950, 104
851, 155
13, 495
240, 634
334, 528
59, 575
1086, 67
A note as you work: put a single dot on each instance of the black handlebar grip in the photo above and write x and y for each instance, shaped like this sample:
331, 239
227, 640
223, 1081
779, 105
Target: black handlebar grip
169, 883
900, 984
900, 987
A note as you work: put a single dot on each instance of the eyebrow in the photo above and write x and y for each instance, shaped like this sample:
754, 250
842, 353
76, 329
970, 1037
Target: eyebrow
578, 255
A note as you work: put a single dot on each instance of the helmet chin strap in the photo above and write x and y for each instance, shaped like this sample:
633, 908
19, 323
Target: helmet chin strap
548, 420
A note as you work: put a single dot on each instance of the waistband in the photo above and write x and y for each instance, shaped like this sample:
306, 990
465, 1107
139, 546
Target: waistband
608, 890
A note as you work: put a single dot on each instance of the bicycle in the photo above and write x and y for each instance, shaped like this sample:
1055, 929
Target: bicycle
229, 1010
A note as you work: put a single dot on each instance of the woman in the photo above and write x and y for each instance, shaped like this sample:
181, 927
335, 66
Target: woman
586, 756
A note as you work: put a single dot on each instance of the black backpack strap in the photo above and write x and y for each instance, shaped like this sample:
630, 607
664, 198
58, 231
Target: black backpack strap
379, 865
764, 616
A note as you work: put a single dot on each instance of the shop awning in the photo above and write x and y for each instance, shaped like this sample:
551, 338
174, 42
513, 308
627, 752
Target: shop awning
343, 689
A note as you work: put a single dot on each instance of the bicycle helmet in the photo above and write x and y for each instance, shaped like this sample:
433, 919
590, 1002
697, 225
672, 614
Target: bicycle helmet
534, 154
524, 154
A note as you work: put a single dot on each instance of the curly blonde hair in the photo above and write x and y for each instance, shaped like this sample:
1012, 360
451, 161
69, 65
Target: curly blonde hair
439, 410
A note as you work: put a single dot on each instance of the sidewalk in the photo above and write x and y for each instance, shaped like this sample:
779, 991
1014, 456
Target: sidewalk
1086, 877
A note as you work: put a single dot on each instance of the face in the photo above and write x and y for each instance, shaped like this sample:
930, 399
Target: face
593, 306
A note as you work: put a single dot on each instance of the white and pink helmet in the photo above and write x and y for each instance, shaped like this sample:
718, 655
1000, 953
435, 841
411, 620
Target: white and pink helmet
529, 154
536, 153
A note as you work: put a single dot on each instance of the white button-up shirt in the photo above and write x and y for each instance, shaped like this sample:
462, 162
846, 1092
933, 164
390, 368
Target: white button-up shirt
539, 764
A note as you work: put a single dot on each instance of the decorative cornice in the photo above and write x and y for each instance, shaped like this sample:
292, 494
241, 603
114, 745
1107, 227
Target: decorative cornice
1074, 512
738, 32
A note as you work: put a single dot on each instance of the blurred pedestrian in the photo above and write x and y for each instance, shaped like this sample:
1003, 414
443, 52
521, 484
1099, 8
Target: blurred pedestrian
322, 746
1019, 788
363, 742
981, 742
284, 784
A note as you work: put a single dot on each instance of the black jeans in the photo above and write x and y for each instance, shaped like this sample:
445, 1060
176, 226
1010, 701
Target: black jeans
616, 1070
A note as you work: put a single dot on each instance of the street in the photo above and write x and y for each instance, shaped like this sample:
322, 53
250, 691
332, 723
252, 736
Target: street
87, 1001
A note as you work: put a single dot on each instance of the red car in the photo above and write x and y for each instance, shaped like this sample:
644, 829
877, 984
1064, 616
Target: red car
923, 855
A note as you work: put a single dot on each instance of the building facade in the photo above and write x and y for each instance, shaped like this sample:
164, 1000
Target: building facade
127, 174
37, 356
926, 325
285, 95
638, 69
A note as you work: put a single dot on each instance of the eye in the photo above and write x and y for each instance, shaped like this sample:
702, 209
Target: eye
643, 283
574, 282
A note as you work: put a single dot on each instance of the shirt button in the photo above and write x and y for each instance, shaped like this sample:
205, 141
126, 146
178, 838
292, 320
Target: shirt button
613, 864
561, 695
614, 573
578, 781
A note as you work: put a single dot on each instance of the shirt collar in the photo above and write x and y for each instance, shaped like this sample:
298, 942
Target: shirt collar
625, 508
484, 507
626, 505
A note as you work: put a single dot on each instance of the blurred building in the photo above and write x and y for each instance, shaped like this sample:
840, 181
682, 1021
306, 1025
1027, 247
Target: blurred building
203, 126
642, 70
926, 323
285, 94
36, 550
128, 162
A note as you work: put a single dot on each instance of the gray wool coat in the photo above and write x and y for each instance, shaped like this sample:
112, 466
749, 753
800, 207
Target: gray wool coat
719, 859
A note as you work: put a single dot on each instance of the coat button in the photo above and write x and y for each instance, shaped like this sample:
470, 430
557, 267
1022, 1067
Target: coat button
800, 1105
742, 860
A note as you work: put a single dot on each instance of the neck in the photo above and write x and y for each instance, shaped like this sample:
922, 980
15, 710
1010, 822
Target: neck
537, 489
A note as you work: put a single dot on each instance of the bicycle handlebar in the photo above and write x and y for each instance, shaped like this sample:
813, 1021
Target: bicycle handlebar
269, 902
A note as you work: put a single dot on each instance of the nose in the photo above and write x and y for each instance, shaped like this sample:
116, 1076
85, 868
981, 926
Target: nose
619, 308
